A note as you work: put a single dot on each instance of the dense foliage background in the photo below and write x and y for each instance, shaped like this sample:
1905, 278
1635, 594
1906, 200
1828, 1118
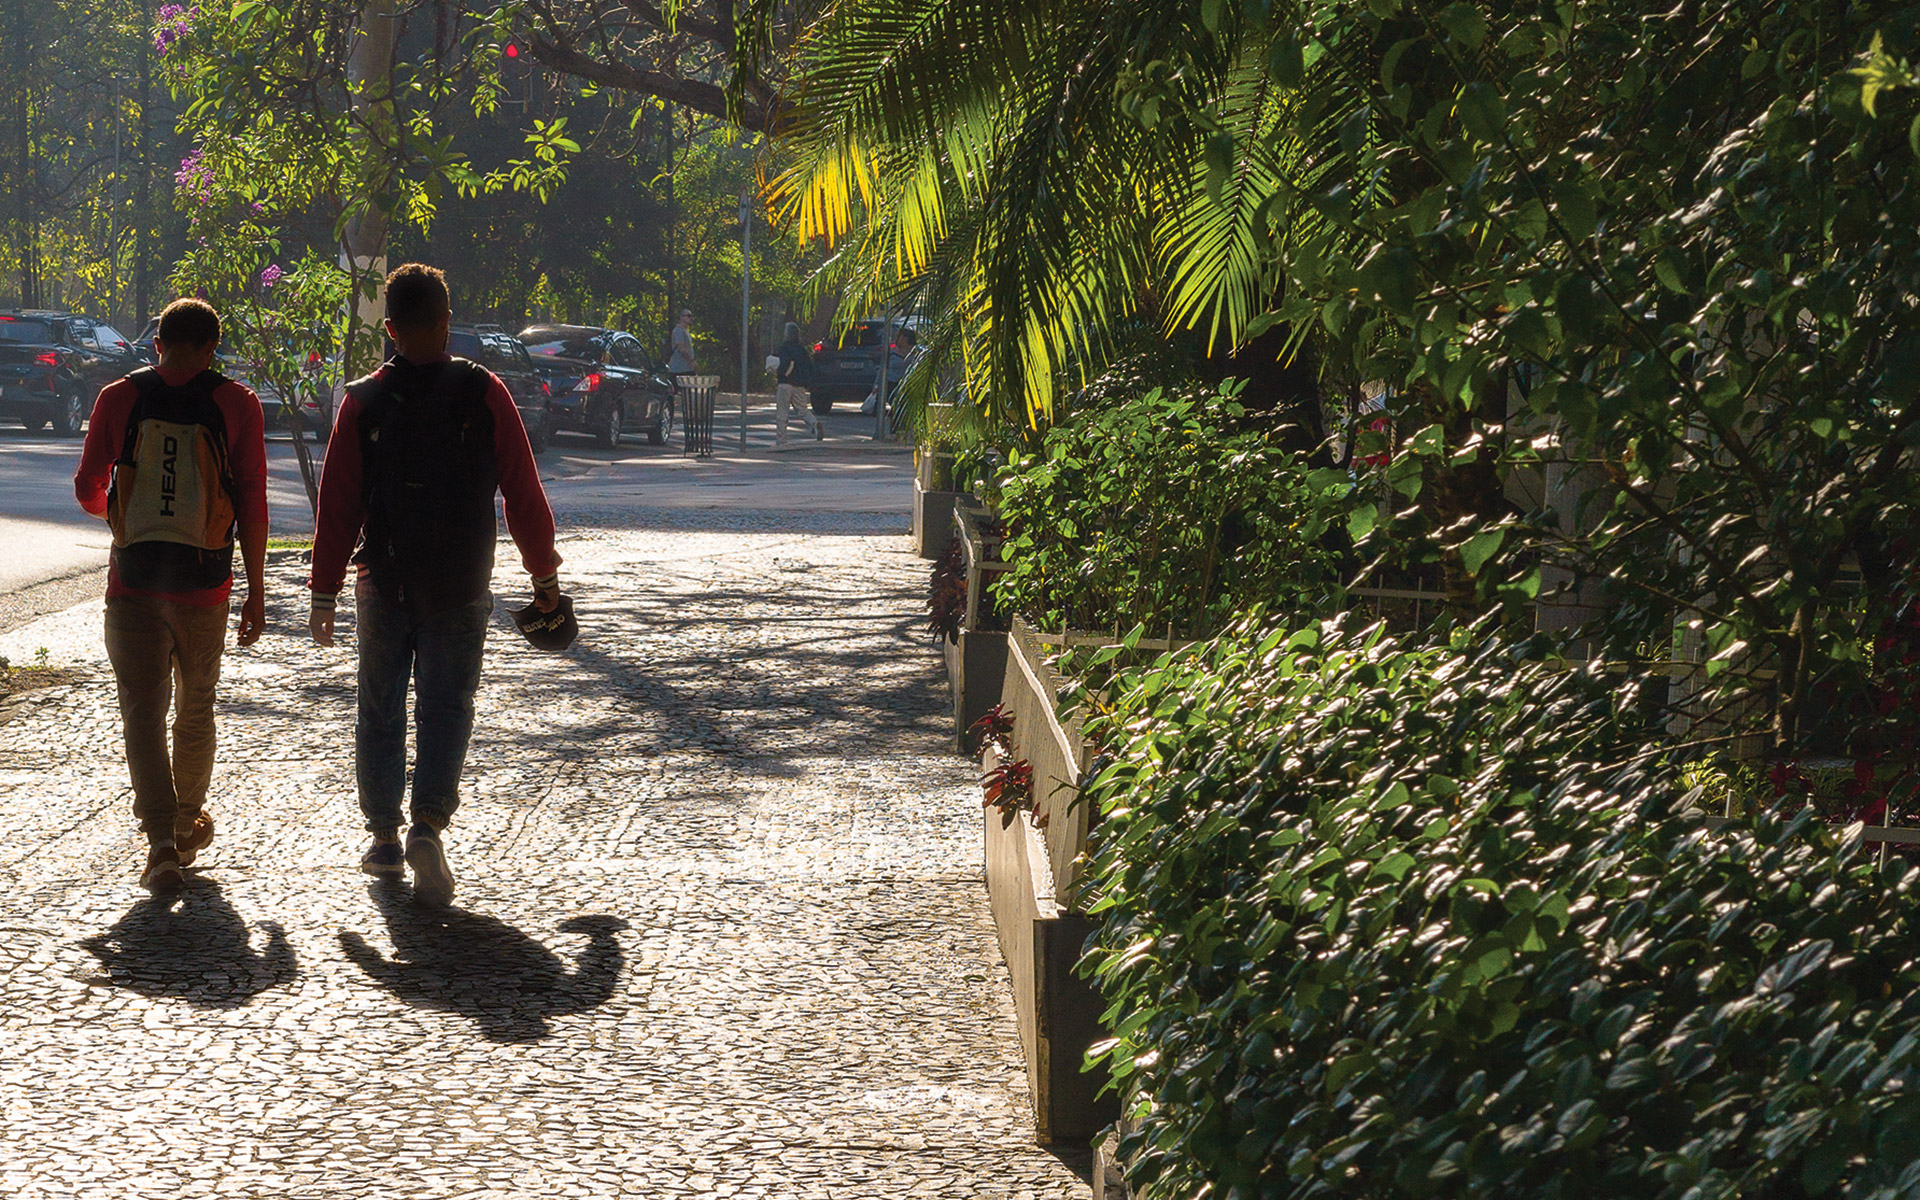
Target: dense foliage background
157, 148
1605, 312
1397, 921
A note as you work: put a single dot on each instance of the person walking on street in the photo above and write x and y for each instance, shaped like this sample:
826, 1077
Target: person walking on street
176, 462
681, 360
794, 373
419, 449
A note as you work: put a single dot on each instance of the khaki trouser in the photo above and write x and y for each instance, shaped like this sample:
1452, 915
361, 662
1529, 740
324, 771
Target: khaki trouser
789, 400
166, 655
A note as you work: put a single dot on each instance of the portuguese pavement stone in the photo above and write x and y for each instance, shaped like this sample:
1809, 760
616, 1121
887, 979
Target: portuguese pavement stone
720, 928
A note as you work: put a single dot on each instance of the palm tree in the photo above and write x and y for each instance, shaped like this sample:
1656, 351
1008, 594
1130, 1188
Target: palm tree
1036, 176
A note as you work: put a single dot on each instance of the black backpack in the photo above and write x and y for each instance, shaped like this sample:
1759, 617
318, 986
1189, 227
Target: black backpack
428, 479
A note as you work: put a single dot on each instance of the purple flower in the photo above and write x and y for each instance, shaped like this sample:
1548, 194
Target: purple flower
171, 24
195, 176
271, 275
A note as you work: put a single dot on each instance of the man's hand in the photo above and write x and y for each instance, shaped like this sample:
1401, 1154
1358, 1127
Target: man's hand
546, 599
320, 625
253, 617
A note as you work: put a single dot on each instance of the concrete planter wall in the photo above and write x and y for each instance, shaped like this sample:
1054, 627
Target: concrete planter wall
933, 501
976, 670
977, 658
933, 519
1040, 934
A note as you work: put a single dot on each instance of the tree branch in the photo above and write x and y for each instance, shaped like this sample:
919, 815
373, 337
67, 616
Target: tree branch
755, 114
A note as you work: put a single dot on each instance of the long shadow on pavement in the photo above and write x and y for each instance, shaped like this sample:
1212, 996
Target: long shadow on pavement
193, 945
481, 968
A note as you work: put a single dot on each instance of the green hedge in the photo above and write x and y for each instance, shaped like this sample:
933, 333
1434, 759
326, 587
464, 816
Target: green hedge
1156, 512
1389, 922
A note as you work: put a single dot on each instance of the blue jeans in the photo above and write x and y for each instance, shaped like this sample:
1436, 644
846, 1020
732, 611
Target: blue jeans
440, 653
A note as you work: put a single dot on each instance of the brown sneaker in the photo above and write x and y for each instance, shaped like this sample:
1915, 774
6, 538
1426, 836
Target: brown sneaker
163, 871
192, 839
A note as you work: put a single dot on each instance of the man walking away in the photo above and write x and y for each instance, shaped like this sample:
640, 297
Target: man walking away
418, 451
175, 459
795, 373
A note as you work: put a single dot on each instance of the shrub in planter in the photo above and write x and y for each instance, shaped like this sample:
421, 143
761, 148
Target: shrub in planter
1381, 922
1153, 512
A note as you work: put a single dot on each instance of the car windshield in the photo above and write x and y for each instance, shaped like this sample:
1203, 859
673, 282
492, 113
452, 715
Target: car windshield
567, 343
464, 345
37, 333
864, 336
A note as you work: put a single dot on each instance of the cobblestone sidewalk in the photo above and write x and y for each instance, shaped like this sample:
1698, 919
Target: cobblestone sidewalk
720, 929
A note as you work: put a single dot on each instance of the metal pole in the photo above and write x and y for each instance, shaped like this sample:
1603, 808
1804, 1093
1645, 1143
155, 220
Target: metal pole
880, 430
746, 298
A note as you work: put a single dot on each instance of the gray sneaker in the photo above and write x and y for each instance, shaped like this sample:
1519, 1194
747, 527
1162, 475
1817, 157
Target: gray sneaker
432, 878
384, 860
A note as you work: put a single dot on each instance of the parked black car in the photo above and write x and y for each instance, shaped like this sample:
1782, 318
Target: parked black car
506, 356
604, 382
52, 364
850, 370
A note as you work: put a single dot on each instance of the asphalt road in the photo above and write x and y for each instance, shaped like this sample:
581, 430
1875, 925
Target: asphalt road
46, 535
50, 550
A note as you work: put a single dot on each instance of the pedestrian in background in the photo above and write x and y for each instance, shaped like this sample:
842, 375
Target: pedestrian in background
176, 462
418, 451
795, 374
681, 360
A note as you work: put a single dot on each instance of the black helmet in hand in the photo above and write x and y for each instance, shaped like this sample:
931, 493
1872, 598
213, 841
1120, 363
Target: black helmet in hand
548, 630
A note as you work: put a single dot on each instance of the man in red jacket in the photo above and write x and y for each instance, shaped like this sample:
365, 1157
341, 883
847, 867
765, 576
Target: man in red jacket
419, 449
175, 460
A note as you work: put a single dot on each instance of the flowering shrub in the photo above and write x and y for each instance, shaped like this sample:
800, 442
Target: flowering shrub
171, 23
195, 176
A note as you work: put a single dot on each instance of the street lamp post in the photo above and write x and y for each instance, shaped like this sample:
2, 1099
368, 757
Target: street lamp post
746, 297
880, 430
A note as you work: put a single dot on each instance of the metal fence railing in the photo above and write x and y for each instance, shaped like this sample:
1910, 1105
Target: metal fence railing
697, 393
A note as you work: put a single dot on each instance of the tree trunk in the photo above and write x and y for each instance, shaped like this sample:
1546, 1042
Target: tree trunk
143, 175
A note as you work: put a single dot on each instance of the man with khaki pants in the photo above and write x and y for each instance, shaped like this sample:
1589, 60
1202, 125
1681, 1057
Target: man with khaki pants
175, 461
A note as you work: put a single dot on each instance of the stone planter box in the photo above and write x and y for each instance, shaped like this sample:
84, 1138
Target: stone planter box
1030, 877
1058, 1013
933, 518
977, 658
976, 670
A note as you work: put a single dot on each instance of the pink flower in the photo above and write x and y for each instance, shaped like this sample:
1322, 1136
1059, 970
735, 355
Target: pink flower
271, 275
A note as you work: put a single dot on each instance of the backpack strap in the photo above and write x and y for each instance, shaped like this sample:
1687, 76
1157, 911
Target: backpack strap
150, 387
147, 384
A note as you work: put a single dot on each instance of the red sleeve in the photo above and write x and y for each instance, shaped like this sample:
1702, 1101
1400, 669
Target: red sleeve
342, 508
106, 431
246, 451
529, 518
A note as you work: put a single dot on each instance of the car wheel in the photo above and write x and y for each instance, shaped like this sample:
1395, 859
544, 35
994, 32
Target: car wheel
822, 401
609, 433
537, 441
34, 424
657, 436
67, 414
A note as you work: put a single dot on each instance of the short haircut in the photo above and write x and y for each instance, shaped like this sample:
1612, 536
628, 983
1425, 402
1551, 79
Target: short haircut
909, 337
417, 296
792, 331
189, 323
685, 313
